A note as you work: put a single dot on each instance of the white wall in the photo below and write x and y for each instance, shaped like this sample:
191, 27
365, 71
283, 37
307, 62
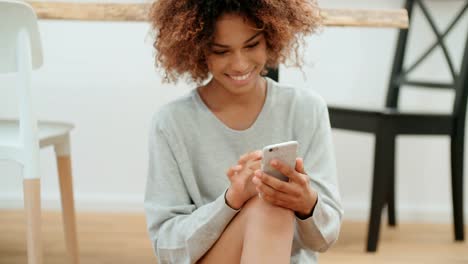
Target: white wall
100, 76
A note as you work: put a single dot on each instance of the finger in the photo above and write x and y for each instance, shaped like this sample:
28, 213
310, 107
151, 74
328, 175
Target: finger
289, 172
245, 174
254, 155
233, 170
300, 165
284, 169
279, 203
275, 183
283, 204
287, 203
270, 194
255, 165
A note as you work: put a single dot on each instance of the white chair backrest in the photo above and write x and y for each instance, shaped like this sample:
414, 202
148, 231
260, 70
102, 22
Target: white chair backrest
20, 53
16, 16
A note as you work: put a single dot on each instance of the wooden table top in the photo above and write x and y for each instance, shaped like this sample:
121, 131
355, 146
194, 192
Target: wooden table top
85, 11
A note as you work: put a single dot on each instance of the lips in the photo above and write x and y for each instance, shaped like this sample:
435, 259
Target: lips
240, 77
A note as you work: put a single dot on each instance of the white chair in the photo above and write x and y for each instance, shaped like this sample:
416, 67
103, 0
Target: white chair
20, 140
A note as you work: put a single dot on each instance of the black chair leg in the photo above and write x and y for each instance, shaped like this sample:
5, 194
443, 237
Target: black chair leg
457, 149
383, 154
390, 151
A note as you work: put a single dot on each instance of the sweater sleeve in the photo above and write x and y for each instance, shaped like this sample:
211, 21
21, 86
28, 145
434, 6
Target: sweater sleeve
321, 230
180, 232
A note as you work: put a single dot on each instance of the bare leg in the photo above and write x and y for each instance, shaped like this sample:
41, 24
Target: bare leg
268, 234
260, 233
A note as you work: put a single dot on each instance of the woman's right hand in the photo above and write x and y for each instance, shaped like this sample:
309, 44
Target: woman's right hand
240, 176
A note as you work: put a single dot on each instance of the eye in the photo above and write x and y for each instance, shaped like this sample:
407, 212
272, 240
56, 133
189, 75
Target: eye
219, 52
253, 45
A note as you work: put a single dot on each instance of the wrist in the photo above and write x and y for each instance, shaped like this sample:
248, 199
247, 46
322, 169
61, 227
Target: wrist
309, 210
231, 200
305, 213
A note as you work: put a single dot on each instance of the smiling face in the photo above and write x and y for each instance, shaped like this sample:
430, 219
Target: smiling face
238, 54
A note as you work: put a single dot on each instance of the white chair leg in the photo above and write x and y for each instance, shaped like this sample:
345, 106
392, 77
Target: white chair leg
32, 206
66, 194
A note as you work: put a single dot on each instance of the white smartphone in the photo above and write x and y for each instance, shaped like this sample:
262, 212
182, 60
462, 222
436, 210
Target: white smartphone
286, 152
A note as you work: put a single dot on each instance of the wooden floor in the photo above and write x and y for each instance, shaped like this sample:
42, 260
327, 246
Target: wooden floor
121, 238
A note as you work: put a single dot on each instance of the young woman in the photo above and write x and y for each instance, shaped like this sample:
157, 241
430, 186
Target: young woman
207, 201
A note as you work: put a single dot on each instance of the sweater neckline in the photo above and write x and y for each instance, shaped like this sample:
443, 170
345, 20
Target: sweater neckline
260, 118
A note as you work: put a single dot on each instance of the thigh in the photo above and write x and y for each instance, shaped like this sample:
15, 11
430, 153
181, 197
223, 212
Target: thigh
228, 248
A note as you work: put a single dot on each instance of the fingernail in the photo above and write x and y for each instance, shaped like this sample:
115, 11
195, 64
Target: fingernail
258, 173
274, 162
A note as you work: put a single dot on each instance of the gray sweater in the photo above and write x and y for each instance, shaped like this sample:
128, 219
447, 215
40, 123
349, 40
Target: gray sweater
190, 151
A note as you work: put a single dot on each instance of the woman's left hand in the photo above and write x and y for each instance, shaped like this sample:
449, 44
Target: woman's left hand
297, 194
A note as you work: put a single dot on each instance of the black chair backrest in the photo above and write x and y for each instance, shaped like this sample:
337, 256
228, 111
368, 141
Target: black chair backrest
273, 74
399, 75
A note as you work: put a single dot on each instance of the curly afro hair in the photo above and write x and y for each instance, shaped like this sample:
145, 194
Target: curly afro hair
184, 30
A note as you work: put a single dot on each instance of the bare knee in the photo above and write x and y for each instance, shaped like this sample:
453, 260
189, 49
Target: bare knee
258, 207
269, 232
260, 212
256, 219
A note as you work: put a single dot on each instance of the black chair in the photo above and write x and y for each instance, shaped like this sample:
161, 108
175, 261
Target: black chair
386, 124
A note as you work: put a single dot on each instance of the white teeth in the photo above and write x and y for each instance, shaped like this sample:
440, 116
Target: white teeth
240, 78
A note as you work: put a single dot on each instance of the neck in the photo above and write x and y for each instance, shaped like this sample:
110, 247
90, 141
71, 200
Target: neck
218, 98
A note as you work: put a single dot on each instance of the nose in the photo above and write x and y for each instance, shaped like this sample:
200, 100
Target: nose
239, 63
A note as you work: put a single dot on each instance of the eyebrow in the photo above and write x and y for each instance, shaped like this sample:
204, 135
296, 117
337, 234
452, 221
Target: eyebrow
251, 38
